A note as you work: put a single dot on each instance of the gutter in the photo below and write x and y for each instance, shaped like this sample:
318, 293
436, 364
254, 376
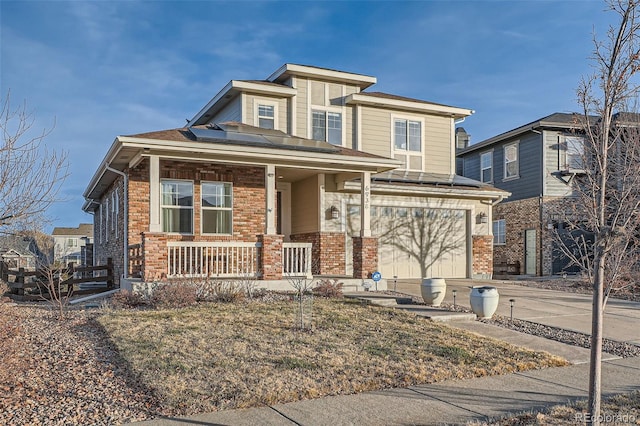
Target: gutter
125, 236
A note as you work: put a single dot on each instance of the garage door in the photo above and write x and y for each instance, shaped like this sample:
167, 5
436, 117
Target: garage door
411, 237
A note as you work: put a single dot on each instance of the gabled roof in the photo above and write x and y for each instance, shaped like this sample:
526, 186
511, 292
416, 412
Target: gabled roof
17, 244
557, 120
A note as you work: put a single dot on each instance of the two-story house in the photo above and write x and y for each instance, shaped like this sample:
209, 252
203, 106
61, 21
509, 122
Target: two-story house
69, 243
303, 172
536, 163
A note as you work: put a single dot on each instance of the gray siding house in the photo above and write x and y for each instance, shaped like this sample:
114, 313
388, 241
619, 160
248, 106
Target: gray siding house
536, 163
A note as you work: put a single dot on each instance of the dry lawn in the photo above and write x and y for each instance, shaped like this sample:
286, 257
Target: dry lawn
220, 356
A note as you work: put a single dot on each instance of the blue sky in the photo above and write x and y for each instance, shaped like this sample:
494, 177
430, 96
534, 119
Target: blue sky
101, 69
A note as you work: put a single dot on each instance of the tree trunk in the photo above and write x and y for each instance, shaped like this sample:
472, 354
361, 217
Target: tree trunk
595, 371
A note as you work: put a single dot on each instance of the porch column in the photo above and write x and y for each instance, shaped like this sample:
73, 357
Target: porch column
154, 194
270, 195
365, 205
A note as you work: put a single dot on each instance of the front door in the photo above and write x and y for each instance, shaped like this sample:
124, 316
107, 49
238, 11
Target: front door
530, 252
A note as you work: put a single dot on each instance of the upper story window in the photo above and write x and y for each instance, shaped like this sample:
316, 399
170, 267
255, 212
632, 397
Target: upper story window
407, 142
217, 207
486, 166
266, 116
72, 242
511, 167
327, 126
571, 153
177, 206
499, 232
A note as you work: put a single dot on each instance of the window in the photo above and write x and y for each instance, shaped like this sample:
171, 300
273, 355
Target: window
266, 116
486, 167
571, 153
499, 232
217, 207
511, 161
327, 126
72, 242
177, 206
407, 143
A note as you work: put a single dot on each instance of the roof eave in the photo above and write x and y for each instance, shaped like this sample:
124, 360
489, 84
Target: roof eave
447, 111
360, 80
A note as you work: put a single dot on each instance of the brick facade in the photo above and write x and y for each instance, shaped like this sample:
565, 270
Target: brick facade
154, 252
270, 259
328, 251
482, 249
365, 256
519, 216
108, 225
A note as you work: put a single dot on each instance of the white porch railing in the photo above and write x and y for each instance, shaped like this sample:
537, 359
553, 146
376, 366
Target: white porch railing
212, 259
296, 259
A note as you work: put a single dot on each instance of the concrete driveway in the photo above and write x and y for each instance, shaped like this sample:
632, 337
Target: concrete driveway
570, 311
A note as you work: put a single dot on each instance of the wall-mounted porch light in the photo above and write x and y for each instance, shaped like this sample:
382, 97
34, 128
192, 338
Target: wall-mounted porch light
482, 218
335, 213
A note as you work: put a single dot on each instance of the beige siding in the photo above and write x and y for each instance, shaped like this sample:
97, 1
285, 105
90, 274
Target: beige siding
302, 108
438, 142
250, 110
304, 206
376, 131
231, 112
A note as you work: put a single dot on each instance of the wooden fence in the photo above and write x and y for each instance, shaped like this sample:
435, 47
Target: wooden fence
65, 280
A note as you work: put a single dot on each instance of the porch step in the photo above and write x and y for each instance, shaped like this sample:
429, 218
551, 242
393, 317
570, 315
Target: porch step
379, 299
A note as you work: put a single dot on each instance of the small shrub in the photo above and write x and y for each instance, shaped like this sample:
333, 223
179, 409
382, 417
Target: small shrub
219, 291
174, 295
126, 299
328, 288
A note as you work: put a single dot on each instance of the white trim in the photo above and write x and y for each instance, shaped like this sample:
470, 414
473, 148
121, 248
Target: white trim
155, 222
448, 111
256, 107
243, 106
193, 207
358, 137
504, 160
365, 205
387, 188
270, 199
321, 197
293, 114
490, 152
202, 208
408, 118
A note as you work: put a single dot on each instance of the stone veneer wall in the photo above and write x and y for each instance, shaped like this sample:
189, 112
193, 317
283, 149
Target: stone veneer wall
328, 251
365, 256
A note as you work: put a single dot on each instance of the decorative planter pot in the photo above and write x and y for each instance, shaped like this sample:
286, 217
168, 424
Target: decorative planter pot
433, 290
484, 301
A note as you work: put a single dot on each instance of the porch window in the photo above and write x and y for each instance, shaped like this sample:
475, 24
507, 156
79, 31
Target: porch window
266, 116
499, 232
486, 167
327, 126
407, 142
511, 168
177, 206
217, 207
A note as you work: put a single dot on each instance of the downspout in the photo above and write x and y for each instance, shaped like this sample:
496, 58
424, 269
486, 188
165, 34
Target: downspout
125, 226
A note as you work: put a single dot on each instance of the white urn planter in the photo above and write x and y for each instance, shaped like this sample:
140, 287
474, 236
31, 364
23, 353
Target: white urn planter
433, 290
484, 301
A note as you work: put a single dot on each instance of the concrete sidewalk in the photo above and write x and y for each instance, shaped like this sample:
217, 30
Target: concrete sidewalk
451, 402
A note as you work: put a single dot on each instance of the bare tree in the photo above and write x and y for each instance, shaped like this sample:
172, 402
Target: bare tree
30, 173
602, 230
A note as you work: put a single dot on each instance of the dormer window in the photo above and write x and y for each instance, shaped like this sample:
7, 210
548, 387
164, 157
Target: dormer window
327, 126
266, 116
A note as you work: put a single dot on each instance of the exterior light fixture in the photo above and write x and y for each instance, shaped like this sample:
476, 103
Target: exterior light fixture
512, 302
454, 291
482, 218
335, 213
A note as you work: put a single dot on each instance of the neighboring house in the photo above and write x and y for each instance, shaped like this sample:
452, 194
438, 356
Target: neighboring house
304, 172
536, 163
70, 243
18, 251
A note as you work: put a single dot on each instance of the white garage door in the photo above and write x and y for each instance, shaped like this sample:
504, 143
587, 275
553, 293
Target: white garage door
411, 237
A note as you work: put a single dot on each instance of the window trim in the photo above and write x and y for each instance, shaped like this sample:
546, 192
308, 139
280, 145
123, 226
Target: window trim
326, 110
490, 153
563, 153
203, 208
504, 233
256, 108
162, 206
394, 151
517, 161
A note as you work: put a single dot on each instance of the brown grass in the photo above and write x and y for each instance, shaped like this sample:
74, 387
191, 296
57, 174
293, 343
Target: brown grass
219, 356
623, 409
